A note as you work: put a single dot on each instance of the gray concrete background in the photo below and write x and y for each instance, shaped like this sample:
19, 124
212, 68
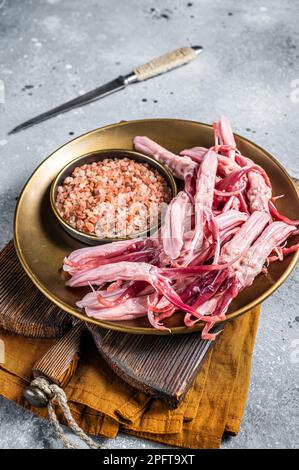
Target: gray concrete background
52, 50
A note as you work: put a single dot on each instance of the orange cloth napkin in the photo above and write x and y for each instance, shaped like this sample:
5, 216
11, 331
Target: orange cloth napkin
103, 404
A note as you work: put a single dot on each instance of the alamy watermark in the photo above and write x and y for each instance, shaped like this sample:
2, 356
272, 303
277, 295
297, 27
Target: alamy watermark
122, 219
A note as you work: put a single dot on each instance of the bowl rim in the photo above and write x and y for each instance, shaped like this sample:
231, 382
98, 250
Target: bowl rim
127, 153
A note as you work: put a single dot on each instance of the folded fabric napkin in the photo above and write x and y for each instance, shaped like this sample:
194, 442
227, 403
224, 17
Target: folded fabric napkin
103, 404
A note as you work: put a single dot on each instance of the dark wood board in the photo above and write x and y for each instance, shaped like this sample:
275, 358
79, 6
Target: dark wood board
162, 366
23, 309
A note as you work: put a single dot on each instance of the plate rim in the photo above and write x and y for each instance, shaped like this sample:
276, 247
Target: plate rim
143, 330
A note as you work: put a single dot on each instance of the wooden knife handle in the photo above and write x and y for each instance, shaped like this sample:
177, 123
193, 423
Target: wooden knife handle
167, 62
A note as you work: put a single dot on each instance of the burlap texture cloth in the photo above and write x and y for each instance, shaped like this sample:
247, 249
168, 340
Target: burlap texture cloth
103, 404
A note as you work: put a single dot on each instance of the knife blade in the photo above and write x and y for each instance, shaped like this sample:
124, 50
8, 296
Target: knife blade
97, 93
151, 69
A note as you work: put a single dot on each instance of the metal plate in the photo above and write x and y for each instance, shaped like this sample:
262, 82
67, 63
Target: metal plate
42, 244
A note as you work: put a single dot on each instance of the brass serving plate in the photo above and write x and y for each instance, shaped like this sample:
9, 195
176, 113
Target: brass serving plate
97, 156
42, 244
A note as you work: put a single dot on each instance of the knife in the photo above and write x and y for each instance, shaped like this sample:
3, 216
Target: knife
155, 67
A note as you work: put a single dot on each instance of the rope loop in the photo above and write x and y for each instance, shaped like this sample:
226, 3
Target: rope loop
57, 396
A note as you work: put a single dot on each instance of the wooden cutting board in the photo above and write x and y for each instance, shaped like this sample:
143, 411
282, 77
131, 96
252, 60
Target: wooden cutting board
161, 366
23, 309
